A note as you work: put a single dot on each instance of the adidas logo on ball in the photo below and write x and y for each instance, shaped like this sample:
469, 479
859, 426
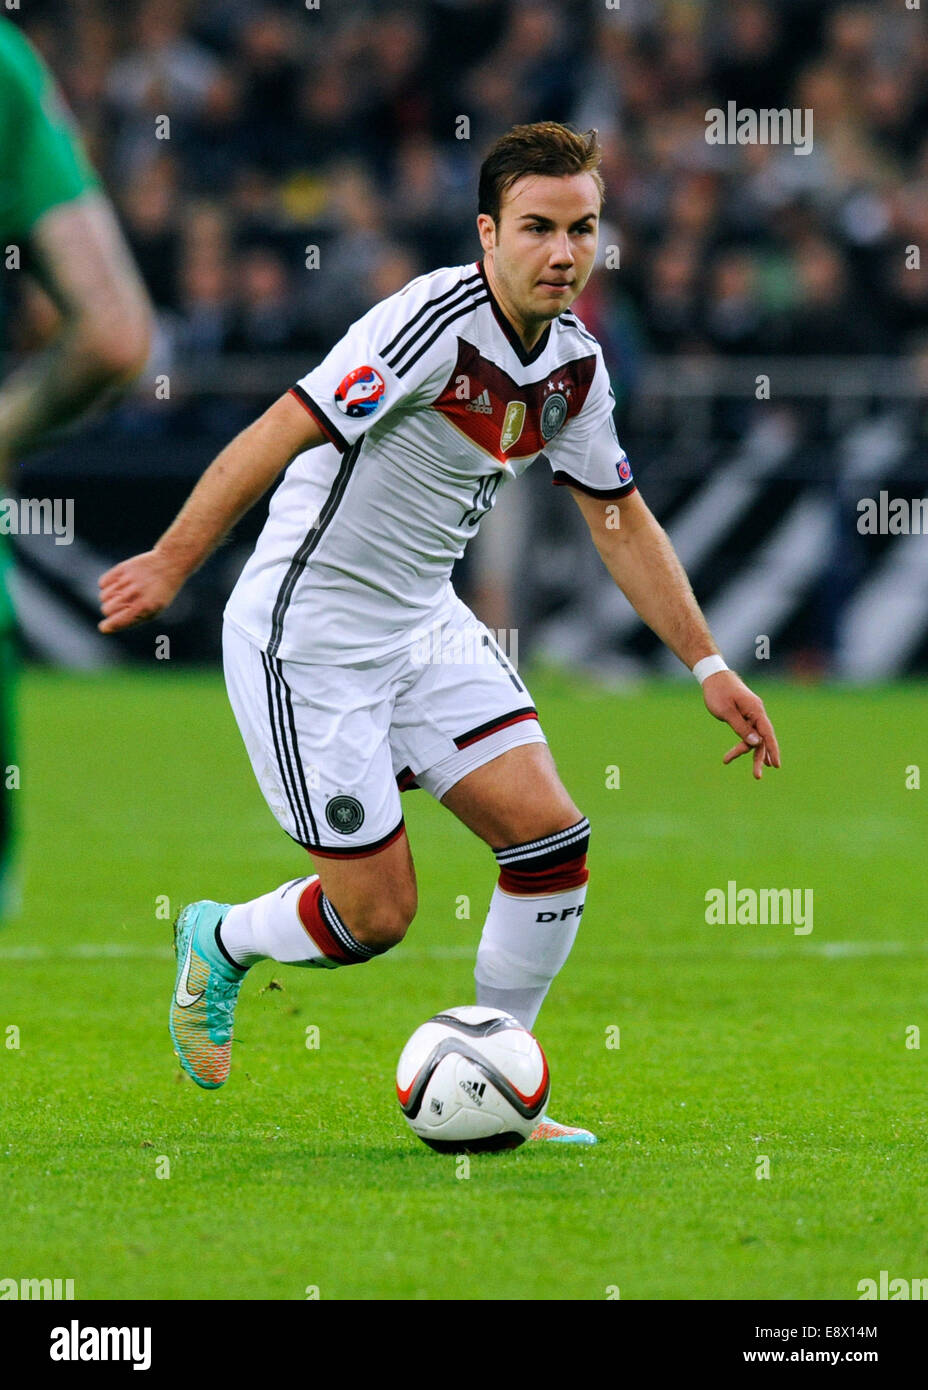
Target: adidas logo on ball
472, 1080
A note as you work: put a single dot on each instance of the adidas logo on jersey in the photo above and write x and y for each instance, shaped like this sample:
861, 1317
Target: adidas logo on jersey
482, 405
473, 1090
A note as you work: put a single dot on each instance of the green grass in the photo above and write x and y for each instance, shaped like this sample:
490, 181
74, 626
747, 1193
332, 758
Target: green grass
736, 1041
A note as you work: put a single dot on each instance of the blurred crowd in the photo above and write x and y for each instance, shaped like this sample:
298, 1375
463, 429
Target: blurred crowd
337, 127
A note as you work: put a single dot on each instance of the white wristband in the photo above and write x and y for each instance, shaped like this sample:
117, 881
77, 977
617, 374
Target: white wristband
708, 667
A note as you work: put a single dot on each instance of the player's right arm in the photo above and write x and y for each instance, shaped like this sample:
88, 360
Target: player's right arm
391, 353
138, 589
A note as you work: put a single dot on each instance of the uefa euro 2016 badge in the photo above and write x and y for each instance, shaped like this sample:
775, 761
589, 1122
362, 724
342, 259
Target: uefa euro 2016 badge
624, 469
553, 415
360, 393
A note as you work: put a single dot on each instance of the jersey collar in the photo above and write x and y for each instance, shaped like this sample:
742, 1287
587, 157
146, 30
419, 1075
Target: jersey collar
515, 342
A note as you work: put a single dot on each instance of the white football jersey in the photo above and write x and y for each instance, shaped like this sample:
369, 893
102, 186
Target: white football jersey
431, 404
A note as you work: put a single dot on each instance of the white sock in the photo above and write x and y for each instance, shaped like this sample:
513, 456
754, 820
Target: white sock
525, 942
270, 927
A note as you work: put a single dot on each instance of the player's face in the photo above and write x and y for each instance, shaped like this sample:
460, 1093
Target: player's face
542, 251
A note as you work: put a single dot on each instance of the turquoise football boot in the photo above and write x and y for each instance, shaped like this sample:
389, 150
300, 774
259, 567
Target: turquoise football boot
205, 991
561, 1134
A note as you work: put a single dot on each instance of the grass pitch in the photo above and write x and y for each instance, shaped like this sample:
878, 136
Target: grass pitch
736, 1043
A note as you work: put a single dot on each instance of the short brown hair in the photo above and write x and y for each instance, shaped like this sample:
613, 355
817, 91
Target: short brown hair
543, 148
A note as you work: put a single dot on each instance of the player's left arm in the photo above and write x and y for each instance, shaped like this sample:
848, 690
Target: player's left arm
637, 552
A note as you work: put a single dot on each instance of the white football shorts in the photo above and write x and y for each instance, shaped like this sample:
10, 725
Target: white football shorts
332, 747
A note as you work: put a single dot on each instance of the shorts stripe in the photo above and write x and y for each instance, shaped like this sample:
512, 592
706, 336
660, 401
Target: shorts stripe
503, 721
298, 761
272, 695
283, 730
503, 660
357, 851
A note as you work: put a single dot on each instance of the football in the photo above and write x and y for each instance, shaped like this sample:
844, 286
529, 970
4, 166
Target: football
472, 1080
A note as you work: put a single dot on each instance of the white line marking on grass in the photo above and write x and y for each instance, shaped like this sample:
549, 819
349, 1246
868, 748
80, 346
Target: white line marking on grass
829, 950
841, 950
437, 953
88, 950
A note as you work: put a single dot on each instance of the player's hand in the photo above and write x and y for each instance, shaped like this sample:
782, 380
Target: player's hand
729, 699
135, 590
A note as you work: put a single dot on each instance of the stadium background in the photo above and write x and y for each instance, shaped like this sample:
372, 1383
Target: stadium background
291, 129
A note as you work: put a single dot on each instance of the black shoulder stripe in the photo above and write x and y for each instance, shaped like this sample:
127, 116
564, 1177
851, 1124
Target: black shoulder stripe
462, 304
570, 320
445, 323
410, 324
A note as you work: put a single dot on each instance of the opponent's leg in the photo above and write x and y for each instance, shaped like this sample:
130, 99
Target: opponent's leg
518, 805
350, 911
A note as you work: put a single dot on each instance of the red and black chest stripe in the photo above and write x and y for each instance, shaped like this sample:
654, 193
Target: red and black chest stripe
505, 419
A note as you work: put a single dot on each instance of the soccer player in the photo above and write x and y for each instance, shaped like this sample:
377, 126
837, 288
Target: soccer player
56, 223
354, 670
